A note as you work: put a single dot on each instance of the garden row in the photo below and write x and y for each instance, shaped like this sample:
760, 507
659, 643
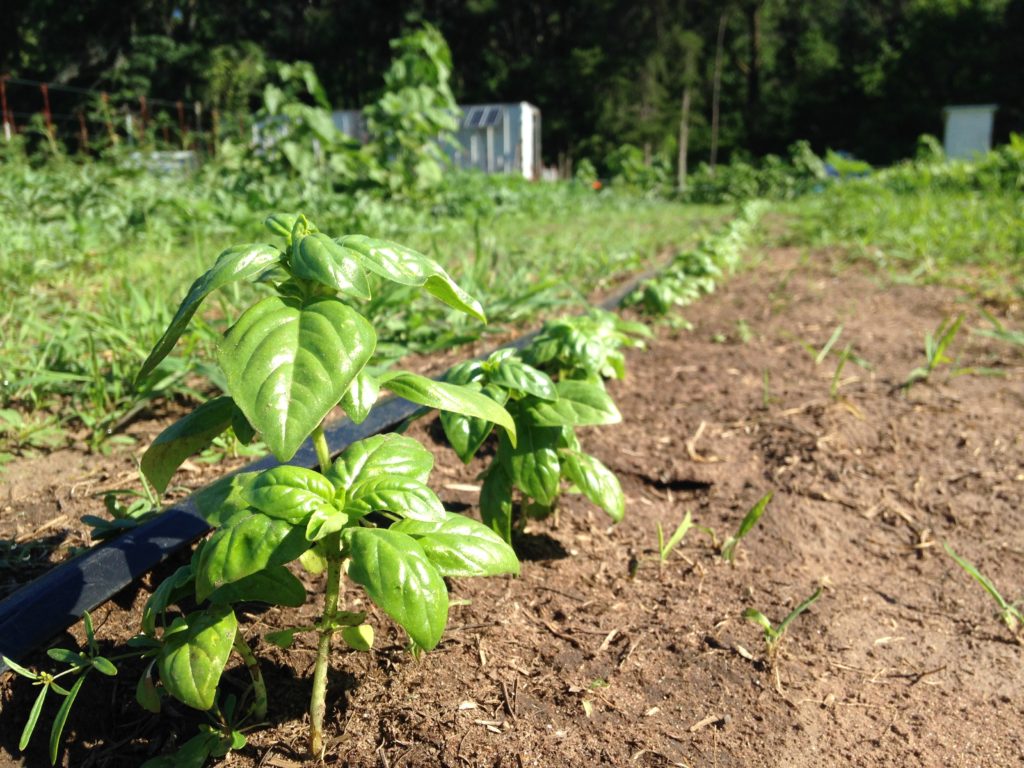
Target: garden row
287, 361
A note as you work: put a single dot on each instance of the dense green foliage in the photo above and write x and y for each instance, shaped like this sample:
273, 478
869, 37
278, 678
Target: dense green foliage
868, 76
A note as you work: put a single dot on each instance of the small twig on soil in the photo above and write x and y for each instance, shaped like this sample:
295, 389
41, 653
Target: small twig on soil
509, 702
44, 527
554, 630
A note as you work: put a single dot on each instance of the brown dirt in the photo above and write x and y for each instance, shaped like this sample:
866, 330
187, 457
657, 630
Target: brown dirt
597, 655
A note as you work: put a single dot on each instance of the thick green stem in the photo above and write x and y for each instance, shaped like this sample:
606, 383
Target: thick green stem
323, 452
318, 702
332, 590
259, 688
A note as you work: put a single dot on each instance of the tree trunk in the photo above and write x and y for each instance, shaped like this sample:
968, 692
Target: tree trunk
716, 90
684, 137
754, 76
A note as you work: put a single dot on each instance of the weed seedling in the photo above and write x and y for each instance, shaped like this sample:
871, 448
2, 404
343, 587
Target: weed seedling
665, 547
1009, 613
749, 521
935, 346
773, 635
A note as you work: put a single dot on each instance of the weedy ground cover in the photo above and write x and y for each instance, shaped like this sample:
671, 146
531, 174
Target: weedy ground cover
86, 273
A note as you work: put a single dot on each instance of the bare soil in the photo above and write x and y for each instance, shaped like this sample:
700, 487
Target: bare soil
598, 654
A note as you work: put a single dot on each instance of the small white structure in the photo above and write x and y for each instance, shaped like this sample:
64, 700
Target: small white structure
499, 138
493, 138
968, 130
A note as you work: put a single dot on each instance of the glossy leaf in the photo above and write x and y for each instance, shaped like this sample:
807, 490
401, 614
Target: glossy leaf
465, 433
401, 495
461, 546
291, 493
281, 224
534, 463
275, 585
579, 403
595, 481
192, 660
317, 257
448, 397
399, 577
249, 544
388, 455
241, 262
496, 500
192, 754
408, 267
360, 397
224, 499
324, 522
288, 362
185, 437
516, 375
358, 638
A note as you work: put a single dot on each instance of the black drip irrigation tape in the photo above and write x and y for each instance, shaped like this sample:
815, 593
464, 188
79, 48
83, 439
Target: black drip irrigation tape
44, 608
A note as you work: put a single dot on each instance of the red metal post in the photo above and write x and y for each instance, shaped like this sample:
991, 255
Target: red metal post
47, 115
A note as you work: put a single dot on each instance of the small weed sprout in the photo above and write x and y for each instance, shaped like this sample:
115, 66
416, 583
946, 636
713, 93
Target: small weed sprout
935, 346
665, 547
728, 551
773, 635
79, 665
1009, 613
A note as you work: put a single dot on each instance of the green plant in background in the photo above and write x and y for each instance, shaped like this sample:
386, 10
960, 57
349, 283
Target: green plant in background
773, 635
288, 361
546, 415
749, 520
1009, 613
587, 347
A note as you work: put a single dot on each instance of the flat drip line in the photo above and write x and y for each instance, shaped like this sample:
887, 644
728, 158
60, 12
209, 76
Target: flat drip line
45, 607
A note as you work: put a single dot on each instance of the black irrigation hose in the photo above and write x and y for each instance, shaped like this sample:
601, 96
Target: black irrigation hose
45, 607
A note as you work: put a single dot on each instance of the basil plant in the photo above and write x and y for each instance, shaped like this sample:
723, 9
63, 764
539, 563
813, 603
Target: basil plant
546, 415
289, 360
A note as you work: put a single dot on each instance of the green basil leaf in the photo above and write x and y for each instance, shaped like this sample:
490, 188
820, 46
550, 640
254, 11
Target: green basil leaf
324, 522
465, 433
408, 267
448, 397
360, 397
579, 403
243, 429
185, 437
461, 546
496, 500
388, 455
291, 493
247, 545
241, 262
275, 585
400, 495
595, 481
358, 638
517, 375
534, 462
322, 260
191, 661
464, 372
288, 362
399, 577
224, 499
281, 223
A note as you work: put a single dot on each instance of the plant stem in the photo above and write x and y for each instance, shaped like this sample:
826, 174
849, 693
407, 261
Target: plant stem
318, 700
323, 452
259, 688
332, 590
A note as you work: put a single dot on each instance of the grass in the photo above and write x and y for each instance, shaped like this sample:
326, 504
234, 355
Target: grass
93, 274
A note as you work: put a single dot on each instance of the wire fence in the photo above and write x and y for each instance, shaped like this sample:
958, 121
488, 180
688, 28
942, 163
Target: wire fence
87, 120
